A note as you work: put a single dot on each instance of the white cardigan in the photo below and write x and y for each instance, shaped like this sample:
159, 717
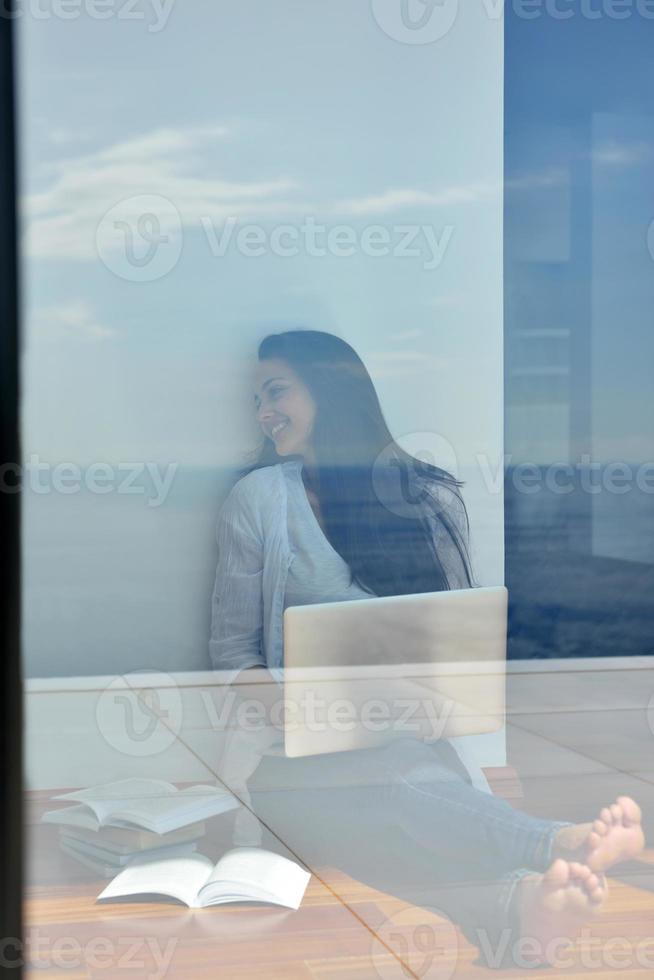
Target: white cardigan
254, 556
248, 604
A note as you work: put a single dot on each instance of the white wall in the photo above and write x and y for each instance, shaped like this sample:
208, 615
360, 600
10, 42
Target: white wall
272, 113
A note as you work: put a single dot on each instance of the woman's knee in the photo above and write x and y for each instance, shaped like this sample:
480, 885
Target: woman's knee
420, 760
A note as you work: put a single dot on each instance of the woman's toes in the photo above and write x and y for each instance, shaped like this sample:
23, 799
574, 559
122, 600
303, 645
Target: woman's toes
616, 812
605, 815
631, 812
599, 827
558, 874
595, 885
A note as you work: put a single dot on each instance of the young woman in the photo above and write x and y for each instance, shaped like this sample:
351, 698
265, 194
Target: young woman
333, 509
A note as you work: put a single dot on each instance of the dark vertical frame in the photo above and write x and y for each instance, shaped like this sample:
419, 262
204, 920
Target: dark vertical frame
10, 684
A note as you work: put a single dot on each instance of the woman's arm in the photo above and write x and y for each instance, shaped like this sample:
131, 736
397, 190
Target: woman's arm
236, 640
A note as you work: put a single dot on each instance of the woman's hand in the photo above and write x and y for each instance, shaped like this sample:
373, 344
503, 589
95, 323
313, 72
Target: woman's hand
261, 699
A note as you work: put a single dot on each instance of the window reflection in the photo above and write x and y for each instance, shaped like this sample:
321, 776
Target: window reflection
579, 345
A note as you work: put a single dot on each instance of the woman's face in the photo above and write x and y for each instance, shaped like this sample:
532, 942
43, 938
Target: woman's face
285, 408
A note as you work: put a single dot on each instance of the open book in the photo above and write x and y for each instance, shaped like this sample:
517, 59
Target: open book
151, 804
244, 874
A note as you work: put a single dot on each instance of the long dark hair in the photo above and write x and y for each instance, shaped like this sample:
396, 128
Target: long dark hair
372, 493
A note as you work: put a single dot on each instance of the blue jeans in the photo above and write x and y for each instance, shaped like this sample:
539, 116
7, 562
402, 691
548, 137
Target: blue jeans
381, 813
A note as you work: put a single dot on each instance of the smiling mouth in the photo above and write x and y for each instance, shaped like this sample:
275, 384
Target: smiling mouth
277, 428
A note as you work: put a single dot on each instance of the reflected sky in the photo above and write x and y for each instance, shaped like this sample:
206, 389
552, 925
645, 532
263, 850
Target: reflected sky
273, 113
580, 253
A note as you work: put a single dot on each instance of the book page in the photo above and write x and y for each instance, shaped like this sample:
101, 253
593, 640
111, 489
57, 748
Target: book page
202, 790
72, 816
152, 803
165, 813
105, 799
179, 877
257, 874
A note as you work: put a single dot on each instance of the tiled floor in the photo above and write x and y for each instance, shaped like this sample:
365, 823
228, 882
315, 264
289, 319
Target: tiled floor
577, 738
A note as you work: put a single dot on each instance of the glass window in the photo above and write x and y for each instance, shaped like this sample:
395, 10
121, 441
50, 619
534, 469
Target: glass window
579, 343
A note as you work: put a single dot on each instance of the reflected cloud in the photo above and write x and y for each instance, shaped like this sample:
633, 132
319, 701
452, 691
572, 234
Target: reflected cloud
407, 335
393, 199
617, 154
537, 180
473, 193
172, 163
401, 364
75, 320
61, 220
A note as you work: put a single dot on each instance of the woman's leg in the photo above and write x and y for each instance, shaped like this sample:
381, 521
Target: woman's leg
405, 820
426, 789
348, 831
515, 920
423, 789
430, 797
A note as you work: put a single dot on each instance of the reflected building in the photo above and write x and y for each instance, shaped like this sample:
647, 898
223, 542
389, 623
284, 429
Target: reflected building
579, 343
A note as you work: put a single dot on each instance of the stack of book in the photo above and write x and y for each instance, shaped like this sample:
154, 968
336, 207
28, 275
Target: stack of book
110, 825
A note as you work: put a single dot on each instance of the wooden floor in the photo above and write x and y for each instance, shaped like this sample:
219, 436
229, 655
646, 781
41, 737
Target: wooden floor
577, 739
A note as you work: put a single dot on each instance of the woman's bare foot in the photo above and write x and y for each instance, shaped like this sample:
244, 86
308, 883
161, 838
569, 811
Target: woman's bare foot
554, 907
617, 835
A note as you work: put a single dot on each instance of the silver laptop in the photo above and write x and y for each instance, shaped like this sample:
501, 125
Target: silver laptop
360, 673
